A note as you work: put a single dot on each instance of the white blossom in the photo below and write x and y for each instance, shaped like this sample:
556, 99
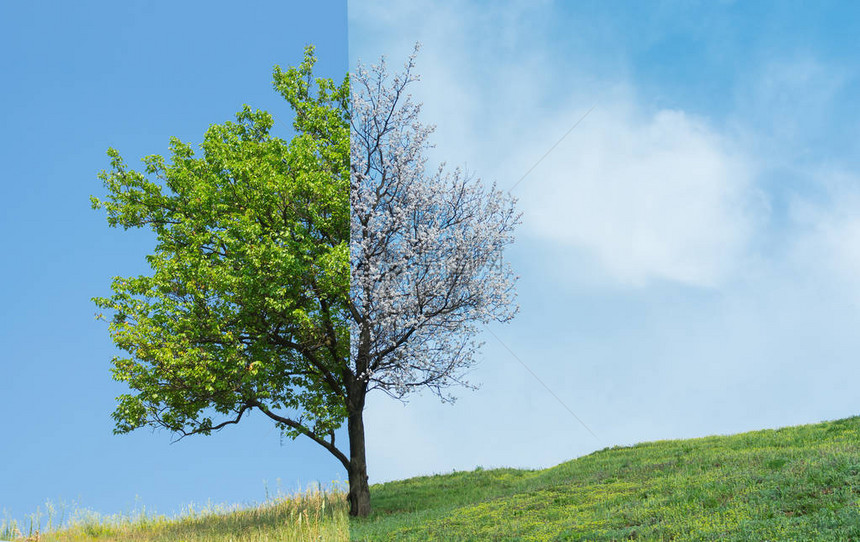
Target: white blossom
426, 247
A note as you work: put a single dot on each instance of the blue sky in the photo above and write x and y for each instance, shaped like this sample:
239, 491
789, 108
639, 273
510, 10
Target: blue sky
78, 78
689, 254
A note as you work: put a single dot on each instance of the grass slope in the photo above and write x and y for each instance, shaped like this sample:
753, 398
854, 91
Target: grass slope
796, 483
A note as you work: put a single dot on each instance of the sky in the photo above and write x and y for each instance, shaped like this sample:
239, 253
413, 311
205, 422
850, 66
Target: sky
689, 256
79, 78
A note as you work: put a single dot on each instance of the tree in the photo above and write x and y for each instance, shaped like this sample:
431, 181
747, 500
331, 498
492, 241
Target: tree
247, 305
268, 294
425, 252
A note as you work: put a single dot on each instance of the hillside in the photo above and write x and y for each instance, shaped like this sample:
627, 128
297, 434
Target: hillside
796, 483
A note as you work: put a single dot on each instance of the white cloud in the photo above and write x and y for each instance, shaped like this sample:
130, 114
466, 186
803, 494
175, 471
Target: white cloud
659, 196
650, 195
826, 246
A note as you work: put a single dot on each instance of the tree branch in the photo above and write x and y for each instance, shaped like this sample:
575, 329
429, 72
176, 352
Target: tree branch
328, 445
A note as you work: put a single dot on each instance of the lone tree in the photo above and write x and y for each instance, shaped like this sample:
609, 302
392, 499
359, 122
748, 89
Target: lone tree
250, 304
425, 254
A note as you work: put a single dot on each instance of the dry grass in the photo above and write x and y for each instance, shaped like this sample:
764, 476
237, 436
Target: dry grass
312, 516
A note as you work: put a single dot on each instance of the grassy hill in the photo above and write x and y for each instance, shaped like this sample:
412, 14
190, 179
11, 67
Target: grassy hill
796, 483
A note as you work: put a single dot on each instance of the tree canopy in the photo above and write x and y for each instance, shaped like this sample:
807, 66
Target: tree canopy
426, 246
294, 277
247, 301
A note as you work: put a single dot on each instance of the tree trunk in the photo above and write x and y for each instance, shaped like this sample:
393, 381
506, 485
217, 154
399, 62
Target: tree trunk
359, 490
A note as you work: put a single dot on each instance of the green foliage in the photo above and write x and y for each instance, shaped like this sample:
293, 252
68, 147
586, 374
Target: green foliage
798, 483
246, 304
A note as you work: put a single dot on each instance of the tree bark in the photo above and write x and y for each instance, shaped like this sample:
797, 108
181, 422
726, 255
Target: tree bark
359, 490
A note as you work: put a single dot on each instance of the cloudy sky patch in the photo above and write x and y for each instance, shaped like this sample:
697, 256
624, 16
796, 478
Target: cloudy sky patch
689, 253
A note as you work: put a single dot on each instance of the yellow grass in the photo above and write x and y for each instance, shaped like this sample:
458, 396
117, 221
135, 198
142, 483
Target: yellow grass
313, 516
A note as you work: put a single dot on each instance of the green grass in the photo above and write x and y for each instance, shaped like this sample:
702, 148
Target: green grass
796, 483
314, 516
